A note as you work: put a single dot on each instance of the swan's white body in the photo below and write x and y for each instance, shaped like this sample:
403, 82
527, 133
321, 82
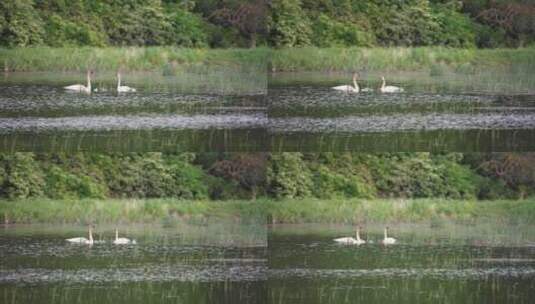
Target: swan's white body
347, 88
389, 89
122, 241
82, 240
388, 240
350, 240
80, 87
123, 89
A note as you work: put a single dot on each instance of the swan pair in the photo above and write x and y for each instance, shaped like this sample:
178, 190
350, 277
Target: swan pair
356, 89
87, 88
358, 241
91, 241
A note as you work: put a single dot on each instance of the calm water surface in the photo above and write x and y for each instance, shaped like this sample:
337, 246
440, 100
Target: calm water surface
452, 112
297, 112
210, 263
485, 263
208, 110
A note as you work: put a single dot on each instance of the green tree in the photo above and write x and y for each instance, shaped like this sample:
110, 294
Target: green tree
288, 176
23, 177
288, 25
188, 30
20, 25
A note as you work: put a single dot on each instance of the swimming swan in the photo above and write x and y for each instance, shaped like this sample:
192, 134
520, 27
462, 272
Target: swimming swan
80, 87
388, 240
83, 240
123, 89
122, 241
347, 88
350, 240
389, 89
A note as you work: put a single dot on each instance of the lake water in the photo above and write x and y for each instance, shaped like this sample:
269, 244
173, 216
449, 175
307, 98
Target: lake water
485, 112
226, 262
216, 262
454, 263
243, 111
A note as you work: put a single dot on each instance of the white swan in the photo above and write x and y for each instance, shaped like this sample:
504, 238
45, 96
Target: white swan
350, 240
80, 87
83, 240
123, 89
389, 89
388, 240
347, 88
122, 241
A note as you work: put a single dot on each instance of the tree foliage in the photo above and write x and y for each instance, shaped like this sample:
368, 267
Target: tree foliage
280, 23
278, 175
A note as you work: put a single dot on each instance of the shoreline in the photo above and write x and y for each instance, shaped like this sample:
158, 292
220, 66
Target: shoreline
332, 211
265, 59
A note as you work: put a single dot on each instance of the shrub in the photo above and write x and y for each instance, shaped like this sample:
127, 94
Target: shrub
20, 25
62, 184
329, 184
288, 176
60, 32
288, 25
188, 30
329, 32
22, 176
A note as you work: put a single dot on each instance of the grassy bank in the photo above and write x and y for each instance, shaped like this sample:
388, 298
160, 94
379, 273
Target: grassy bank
285, 211
288, 59
399, 210
399, 59
128, 58
122, 210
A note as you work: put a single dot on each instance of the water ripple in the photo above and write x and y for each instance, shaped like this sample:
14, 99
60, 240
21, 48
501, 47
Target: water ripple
141, 122
147, 273
434, 273
407, 122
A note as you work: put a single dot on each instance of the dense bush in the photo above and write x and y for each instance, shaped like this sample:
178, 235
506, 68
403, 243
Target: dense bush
20, 25
287, 25
281, 23
22, 176
329, 32
279, 175
410, 175
288, 176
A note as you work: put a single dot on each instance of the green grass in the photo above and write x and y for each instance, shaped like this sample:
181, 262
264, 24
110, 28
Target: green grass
289, 59
400, 210
398, 59
285, 211
129, 58
120, 210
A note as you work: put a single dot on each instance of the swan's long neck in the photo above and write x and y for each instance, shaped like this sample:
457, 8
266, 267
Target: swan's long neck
89, 81
118, 80
386, 233
355, 84
358, 235
116, 234
384, 83
90, 236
